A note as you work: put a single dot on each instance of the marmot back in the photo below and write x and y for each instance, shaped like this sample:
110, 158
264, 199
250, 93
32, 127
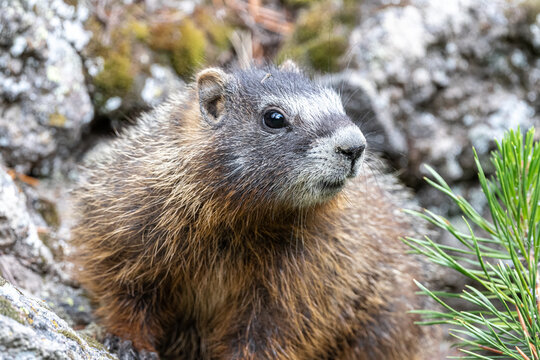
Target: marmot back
230, 223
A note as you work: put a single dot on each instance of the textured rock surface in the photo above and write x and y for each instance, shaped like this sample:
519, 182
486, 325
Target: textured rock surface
27, 261
20, 245
45, 104
30, 330
442, 76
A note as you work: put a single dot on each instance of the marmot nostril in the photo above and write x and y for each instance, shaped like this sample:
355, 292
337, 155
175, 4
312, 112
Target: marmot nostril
351, 152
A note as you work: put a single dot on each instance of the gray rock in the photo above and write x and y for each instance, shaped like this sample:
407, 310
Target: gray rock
27, 262
45, 104
444, 76
160, 85
18, 234
30, 330
72, 305
152, 84
186, 6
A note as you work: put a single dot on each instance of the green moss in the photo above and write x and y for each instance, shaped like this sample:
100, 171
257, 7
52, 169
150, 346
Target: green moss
139, 29
93, 342
46, 239
115, 47
220, 34
190, 51
324, 54
349, 13
2, 281
299, 3
116, 77
8, 310
164, 36
320, 37
185, 43
72, 336
321, 54
217, 31
71, 2
95, 46
295, 53
311, 24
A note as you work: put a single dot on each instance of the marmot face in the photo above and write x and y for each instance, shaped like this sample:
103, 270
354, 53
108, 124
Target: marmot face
280, 138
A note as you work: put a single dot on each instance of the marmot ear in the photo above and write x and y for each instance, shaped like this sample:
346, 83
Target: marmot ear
290, 66
210, 88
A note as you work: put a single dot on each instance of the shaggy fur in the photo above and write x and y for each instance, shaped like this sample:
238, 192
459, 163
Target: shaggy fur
201, 235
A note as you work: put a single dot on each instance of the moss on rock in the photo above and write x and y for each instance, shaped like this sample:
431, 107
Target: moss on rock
72, 336
190, 52
324, 54
116, 77
299, 3
218, 32
139, 29
48, 211
533, 10
8, 310
310, 25
93, 342
57, 119
319, 40
185, 43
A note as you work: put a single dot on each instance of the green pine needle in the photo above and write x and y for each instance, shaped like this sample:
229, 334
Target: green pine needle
503, 261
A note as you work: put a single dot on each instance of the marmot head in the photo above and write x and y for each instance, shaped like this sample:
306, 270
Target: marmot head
278, 136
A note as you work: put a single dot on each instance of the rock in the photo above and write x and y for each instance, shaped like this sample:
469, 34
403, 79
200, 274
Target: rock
442, 76
127, 74
27, 262
72, 305
186, 6
18, 234
160, 85
30, 330
45, 104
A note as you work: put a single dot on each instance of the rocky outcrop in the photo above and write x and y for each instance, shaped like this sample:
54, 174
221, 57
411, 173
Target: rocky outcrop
45, 105
441, 76
29, 329
23, 256
31, 261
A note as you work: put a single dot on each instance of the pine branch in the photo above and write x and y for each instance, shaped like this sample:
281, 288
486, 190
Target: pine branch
503, 263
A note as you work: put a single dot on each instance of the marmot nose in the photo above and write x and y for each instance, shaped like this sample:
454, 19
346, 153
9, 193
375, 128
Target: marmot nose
352, 152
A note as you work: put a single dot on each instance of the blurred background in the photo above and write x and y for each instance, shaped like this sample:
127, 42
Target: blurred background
427, 79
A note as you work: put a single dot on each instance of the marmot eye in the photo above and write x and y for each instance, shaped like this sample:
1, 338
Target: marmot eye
274, 119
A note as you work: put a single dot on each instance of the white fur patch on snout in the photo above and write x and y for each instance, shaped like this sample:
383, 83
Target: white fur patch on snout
327, 157
327, 169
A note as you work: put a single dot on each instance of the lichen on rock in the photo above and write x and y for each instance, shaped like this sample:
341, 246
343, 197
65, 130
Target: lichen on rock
41, 83
29, 329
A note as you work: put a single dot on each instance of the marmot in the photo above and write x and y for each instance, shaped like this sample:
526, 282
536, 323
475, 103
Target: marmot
229, 223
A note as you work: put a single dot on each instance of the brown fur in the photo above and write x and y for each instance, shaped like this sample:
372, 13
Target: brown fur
182, 262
